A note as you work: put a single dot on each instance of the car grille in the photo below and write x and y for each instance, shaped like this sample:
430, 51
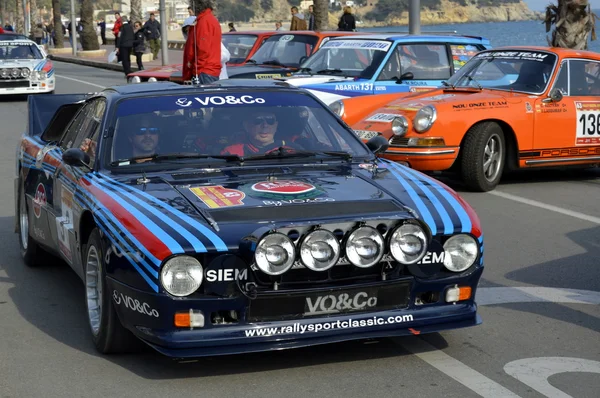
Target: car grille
13, 83
399, 141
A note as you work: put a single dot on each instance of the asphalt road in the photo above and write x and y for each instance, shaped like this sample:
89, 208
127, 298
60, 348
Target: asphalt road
538, 338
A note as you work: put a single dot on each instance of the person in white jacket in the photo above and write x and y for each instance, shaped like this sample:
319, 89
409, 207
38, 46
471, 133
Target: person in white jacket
225, 56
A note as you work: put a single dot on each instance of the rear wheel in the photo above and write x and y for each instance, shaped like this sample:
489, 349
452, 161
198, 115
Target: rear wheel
483, 157
108, 334
30, 250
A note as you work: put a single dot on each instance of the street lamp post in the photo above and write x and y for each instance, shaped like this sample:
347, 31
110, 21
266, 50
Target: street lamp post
414, 17
164, 44
26, 24
73, 31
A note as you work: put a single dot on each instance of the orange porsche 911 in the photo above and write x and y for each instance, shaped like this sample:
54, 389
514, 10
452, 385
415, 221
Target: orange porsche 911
507, 108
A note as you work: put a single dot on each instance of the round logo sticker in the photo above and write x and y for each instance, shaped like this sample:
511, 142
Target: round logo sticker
283, 189
39, 200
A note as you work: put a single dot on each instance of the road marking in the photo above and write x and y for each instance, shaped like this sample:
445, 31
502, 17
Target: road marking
457, 370
535, 372
504, 295
556, 209
80, 81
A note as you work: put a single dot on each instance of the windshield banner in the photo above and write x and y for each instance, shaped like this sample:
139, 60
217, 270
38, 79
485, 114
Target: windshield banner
527, 55
15, 43
360, 44
215, 99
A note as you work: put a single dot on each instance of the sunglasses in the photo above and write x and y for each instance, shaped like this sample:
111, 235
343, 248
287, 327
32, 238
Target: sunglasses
270, 120
146, 130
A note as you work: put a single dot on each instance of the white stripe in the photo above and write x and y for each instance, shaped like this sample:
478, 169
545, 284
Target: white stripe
80, 81
503, 295
457, 370
535, 203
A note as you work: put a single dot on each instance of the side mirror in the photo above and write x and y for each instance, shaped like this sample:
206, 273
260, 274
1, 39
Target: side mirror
555, 96
378, 144
405, 76
76, 157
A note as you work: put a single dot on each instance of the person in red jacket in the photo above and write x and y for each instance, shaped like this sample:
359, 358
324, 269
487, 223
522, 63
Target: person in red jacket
1, 30
202, 51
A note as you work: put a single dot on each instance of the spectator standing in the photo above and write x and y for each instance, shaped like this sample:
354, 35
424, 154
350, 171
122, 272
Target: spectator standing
139, 47
298, 21
189, 21
347, 21
126, 37
8, 27
102, 26
278, 25
311, 18
1, 30
152, 30
202, 52
38, 34
231, 27
116, 30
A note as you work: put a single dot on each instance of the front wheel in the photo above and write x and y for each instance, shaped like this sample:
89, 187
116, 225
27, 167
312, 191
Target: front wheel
483, 157
108, 334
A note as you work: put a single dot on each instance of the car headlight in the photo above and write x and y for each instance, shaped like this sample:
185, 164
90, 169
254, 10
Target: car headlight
461, 252
4, 73
399, 126
152, 79
181, 275
424, 118
16, 72
320, 250
25, 72
364, 247
40, 75
135, 79
337, 107
275, 254
408, 243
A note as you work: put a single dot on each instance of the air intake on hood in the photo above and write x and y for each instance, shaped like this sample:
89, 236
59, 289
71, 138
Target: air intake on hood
308, 211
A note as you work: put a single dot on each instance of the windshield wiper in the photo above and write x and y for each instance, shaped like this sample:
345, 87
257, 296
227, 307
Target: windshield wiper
472, 79
308, 70
174, 156
446, 84
273, 62
287, 152
330, 72
252, 61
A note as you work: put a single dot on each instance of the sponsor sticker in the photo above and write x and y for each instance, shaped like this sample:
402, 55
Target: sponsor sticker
286, 38
220, 100
134, 304
268, 75
366, 44
331, 304
282, 202
39, 200
287, 187
438, 97
371, 166
217, 196
366, 134
529, 55
65, 223
587, 122
382, 117
421, 89
528, 108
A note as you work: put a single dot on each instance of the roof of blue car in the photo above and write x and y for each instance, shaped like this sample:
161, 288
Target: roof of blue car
406, 37
230, 84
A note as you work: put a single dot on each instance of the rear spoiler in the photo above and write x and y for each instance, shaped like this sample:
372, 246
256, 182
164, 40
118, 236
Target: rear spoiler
41, 109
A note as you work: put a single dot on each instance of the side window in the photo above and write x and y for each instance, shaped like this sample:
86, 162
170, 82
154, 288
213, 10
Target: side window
87, 137
562, 80
73, 129
391, 69
462, 53
584, 78
425, 61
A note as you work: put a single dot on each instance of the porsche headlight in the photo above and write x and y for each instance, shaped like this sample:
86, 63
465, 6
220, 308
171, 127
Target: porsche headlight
181, 275
424, 118
364, 247
152, 80
16, 72
320, 250
25, 73
337, 107
461, 252
408, 243
275, 254
135, 79
399, 126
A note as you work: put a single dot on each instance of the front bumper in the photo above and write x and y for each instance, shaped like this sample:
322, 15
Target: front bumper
19, 87
151, 318
424, 158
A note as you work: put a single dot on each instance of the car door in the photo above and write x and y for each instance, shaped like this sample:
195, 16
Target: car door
570, 128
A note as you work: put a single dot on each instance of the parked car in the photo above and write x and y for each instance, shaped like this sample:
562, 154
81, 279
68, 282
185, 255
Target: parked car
508, 108
25, 69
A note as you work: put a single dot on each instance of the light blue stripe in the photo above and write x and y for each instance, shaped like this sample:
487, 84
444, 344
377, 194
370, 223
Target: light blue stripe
214, 238
464, 218
422, 208
448, 224
481, 239
120, 226
196, 244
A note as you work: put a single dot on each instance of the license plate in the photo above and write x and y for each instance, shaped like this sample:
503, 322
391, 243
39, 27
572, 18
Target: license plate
292, 305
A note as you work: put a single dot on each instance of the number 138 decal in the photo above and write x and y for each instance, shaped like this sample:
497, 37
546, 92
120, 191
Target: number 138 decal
588, 123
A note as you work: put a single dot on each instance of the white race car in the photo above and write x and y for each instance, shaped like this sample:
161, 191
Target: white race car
24, 68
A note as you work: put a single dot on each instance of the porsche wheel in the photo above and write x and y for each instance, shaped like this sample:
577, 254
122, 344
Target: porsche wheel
483, 156
29, 248
108, 334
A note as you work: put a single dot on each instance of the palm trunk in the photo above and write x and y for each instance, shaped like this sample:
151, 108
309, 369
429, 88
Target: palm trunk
19, 23
136, 11
573, 22
2, 11
59, 37
321, 11
89, 38
34, 13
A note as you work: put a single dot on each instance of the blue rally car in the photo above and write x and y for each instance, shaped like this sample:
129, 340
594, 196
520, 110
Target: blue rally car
384, 64
237, 217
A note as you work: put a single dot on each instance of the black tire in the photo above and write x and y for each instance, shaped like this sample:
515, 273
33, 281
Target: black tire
473, 170
109, 335
30, 250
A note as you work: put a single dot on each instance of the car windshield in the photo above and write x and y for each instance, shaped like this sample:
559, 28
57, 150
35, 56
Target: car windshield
349, 57
525, 71
239, 46
15, 50
286, 50
228, 127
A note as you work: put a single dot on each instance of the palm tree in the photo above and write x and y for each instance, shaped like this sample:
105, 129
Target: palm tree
573, 22
321, 10
19, 23
89, 38
34, 12
136, 11
59, 36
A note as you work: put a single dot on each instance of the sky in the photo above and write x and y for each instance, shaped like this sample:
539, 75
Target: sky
540, 5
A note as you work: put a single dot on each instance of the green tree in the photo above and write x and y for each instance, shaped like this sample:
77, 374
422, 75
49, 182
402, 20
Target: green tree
573, 22
89, 38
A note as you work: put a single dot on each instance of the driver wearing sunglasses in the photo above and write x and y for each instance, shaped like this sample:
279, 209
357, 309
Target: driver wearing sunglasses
260, 128
144, 137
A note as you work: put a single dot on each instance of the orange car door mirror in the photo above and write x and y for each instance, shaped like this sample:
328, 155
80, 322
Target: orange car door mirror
555, 96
